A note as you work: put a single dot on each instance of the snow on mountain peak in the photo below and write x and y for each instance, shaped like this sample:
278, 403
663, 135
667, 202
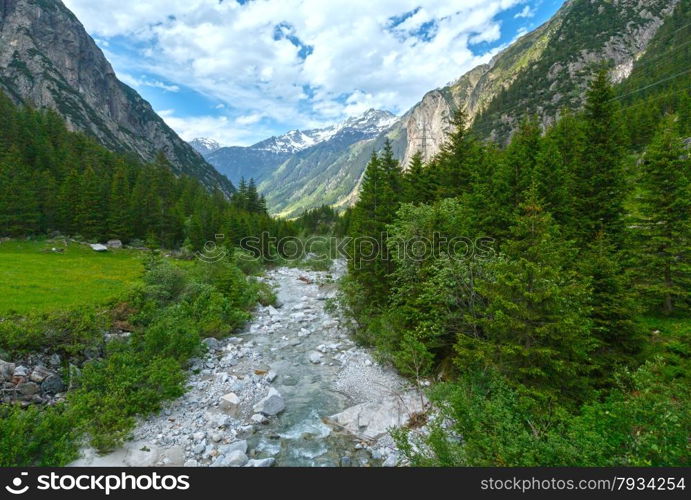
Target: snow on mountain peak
371, 123
204, 146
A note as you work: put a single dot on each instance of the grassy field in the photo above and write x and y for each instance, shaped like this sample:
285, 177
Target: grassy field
32, 278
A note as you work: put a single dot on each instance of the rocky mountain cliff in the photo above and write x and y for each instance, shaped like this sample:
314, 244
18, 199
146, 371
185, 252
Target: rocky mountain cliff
542, 73
47, 60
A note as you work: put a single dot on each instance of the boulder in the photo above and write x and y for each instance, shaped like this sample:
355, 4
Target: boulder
39, 374
235, 459
28, 388
211, 343
97, 247
272, 404
373, 419
53, 384
114, 244
230, 403
227, 449
258, 418
6, 370
315, 358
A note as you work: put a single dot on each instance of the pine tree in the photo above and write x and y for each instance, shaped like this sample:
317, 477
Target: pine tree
521, 159
19, 209
458, 159
600, 189
614, 308
665, 231
535, 327
418, 183
119, 213
90, 217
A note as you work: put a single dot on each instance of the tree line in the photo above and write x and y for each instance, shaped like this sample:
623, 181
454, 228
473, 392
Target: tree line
52, 180
586, 239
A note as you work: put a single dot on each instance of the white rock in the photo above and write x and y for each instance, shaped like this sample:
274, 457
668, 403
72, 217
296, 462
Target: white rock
271, 376
230, 403
258, 418
315, 358
97, 247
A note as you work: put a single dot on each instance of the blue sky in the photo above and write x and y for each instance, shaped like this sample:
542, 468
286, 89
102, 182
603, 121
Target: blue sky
241, 71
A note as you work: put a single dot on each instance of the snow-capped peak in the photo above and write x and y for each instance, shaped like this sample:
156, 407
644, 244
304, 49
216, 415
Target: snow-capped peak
204, 146
371, 123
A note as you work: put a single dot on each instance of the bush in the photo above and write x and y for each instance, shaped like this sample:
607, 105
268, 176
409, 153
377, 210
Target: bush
66, 332
36, 437
485, 422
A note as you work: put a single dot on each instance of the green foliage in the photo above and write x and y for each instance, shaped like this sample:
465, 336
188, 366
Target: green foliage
485, 422
67, 332
55, 180
664, 234
36, 437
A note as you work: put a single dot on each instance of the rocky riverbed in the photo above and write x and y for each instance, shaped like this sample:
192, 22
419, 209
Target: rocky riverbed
292, 389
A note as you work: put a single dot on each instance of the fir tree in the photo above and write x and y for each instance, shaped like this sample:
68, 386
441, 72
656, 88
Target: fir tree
535, 327
119, 214
600, 188
665, 231
90, 217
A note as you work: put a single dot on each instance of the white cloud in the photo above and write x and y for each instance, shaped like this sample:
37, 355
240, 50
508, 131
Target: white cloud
219, 128
349, 57
133, 81
527, 12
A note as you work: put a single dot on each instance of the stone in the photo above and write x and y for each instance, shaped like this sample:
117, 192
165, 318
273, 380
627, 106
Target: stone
53, 385
315, 358
227, 449
21, 371
230, 403
97, 247
346, 462
28, 388
6, 370
258, 418
391, 461
211, 343
271, 376
39, 374
261, 462
272, 404
114, 244
372, 420
234, 459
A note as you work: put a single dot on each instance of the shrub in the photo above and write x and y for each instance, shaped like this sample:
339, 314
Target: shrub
36, 437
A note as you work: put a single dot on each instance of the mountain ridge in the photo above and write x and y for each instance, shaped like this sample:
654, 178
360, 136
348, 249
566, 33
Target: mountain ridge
541, 73
48, 60
263, 158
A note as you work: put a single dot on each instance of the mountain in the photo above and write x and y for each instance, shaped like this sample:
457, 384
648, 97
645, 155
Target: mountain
204, 146
262, 160
541, 73
47, 60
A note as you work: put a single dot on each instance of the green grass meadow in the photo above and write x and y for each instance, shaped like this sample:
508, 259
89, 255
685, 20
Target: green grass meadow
34, 279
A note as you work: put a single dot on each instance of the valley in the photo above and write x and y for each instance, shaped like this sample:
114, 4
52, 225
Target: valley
496, 276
